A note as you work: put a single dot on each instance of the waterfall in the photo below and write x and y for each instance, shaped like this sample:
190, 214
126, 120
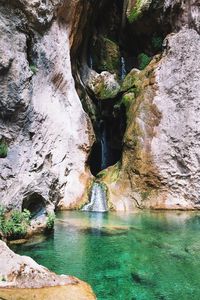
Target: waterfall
104, 149
98, 201
90, 62
123, 68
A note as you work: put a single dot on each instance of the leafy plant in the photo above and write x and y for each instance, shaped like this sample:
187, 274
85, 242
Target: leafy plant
50, 220
143, 60
3, 149
157, 42
34, 69
15, 225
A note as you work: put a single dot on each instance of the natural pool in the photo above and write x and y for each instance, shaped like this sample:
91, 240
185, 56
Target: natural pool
144, 255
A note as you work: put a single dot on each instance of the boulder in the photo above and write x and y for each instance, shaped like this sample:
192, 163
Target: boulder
104, 85
21, 278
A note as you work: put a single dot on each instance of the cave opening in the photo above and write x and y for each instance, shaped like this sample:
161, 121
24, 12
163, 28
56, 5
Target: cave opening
110, 128
35, 204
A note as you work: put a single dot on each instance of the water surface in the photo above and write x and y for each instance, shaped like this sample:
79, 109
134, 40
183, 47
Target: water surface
141, 256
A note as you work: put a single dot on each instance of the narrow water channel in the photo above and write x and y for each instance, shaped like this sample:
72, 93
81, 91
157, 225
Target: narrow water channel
144, 255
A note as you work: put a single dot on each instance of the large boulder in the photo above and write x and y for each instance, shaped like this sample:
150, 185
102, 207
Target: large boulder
103, 85
21, 278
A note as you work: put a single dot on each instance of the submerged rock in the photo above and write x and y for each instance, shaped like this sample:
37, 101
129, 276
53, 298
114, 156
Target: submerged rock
21, 278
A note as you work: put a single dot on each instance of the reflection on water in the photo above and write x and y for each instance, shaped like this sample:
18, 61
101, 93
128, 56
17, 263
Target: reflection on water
126, 256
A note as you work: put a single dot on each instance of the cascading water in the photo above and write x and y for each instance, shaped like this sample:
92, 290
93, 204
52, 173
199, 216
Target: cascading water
98, 201
90, 62
104, 149
123, 68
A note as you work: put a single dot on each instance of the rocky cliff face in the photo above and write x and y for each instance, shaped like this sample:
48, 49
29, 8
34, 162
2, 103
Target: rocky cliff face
146, 124
46, 133
159, 165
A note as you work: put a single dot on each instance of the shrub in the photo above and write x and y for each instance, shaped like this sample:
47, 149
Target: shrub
14, 226
143, 60
3, 150
50, 220
33, 68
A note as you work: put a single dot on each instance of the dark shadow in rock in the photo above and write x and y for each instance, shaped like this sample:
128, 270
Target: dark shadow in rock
35, 203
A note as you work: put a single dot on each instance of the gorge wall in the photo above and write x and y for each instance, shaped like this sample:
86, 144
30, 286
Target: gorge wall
128, 118
46, 133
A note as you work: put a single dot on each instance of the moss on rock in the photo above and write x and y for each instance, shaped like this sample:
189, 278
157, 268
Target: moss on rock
106, 55
128, 99
3, 149
136, 8
104, 85
131, 80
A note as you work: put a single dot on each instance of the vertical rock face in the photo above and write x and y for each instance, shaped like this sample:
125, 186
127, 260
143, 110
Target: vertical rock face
45, 135
175, 146
42, 123
160, 158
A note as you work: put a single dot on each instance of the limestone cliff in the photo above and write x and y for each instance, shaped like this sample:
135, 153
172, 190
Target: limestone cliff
137, 133
46, 132
159, 162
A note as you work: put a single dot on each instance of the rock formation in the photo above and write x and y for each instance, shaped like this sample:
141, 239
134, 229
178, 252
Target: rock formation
22, 278
47, 133
159, 165
53, 133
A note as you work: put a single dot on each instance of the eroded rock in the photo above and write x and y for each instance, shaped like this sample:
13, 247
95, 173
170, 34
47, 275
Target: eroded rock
103, 85
160, 166
22, 278
41, 118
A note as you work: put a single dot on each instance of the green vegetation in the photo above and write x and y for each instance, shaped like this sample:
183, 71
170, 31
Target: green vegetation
157, 42
137, 9
106, 55
15, 225
143, 60
128, 99
2, 278
131, 82
34, 69
50, 220
3, 149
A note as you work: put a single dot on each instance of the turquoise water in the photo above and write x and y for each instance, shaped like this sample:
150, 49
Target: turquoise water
125, 256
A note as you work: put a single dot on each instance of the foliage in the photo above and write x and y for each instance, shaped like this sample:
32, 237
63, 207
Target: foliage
34, 69
106, 55
3, 149
137, 9
143, 60
15, 225
157, 42
50, 220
